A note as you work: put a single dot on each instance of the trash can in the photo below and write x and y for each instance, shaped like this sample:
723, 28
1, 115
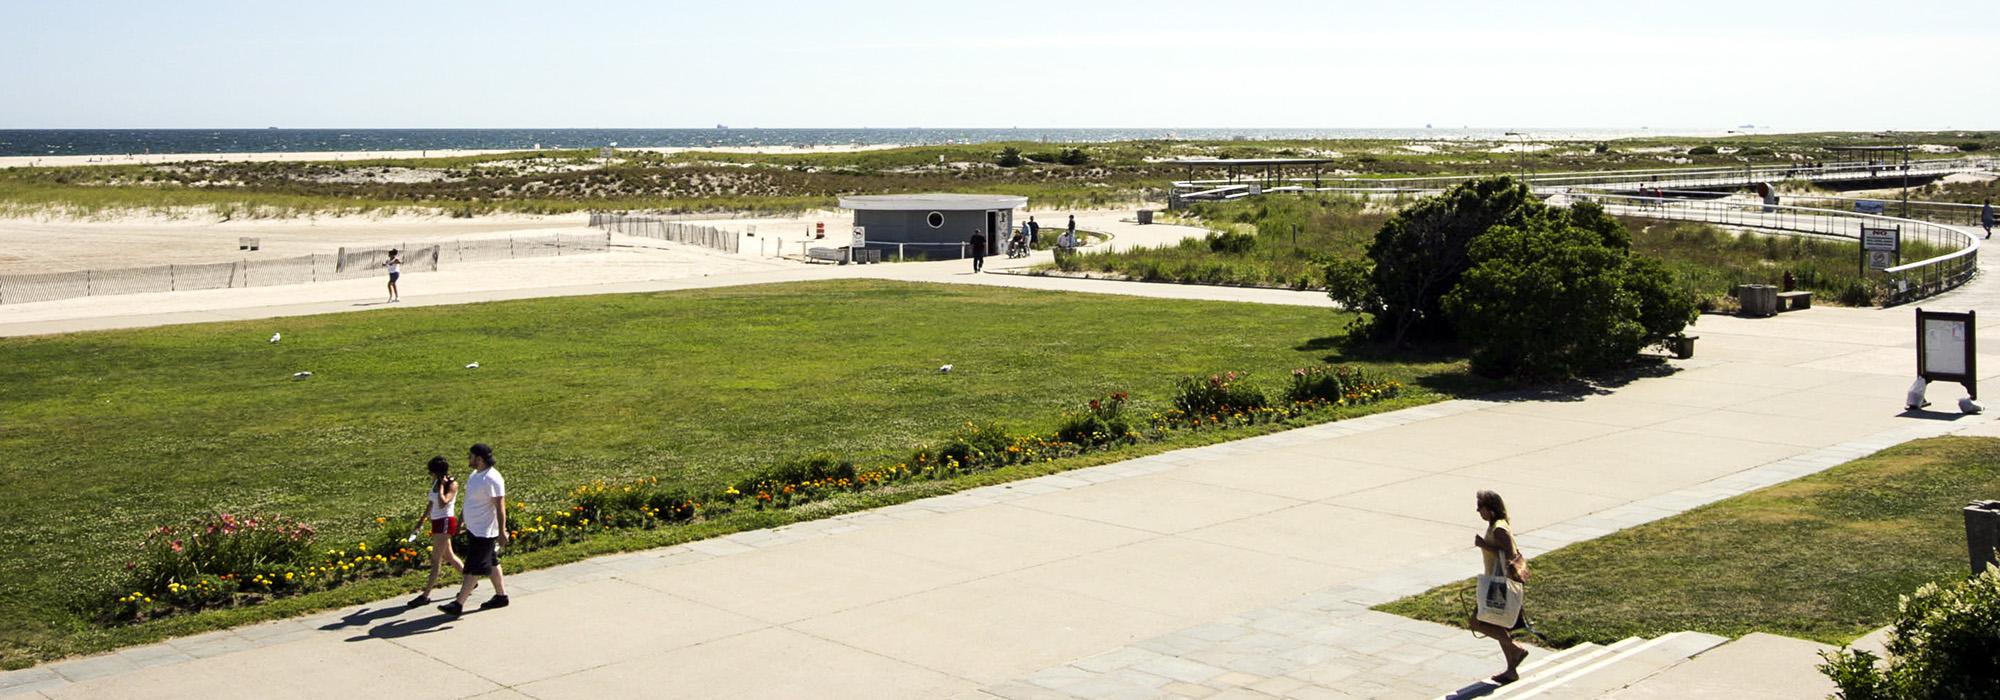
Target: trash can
1982, 533
1757, 300
1145, 216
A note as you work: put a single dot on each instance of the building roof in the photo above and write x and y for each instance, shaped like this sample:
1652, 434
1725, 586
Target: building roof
932, 202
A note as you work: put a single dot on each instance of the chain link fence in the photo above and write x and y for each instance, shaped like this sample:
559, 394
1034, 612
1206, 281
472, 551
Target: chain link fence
347, 263
661, 229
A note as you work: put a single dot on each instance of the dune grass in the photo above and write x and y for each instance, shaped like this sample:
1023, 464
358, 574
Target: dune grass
1823, 557
104, 436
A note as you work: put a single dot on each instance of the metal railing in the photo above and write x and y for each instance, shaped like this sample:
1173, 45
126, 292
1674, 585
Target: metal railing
1907, 281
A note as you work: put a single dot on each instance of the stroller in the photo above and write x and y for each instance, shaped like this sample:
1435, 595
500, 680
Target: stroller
1017, 246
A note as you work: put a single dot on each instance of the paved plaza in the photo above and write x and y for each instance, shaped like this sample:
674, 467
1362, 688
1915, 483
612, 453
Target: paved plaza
1243, 569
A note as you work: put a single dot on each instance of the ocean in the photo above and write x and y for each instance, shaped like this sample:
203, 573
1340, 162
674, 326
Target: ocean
89, 142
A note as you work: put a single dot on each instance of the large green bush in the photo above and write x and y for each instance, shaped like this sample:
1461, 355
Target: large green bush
1561, 296
1420, 254
1946, 644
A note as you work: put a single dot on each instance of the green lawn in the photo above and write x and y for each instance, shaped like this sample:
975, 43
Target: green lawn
1823, 557
106, 435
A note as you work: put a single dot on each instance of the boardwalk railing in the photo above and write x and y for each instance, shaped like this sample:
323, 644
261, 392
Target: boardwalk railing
1907, 282
662, 229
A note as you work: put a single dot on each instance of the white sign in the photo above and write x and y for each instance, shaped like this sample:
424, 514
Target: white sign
1944, 346
860, 237
1880, 239
1881, 259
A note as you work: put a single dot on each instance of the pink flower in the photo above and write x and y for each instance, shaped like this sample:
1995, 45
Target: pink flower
176, 545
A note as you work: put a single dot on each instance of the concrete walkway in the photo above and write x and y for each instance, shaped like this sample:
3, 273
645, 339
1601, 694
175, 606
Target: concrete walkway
1235, 570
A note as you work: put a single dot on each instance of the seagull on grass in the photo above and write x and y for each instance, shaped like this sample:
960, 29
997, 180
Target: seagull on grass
474, 365
275, 337
302, 375
945, 369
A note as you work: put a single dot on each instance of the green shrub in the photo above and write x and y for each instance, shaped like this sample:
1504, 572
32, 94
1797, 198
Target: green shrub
1073, 156
1971, 146
1946, 644
1010, 157
1102, 423
1420, 253
1701, 151
1324, 384
1218, 395
1552, 299
1231, 242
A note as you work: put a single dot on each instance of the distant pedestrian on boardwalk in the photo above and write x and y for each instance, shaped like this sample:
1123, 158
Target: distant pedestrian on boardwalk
395, 266
1034, 232
1500, 555
486, 527
1986, 217
438, 521
978, 244
1072, 230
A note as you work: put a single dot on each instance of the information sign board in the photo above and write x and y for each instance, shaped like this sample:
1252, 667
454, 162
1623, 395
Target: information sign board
1947, 348
1881, 248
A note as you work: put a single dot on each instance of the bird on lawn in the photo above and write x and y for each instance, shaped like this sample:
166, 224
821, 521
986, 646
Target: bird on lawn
945, 369
474, 365
276, 336
302, 375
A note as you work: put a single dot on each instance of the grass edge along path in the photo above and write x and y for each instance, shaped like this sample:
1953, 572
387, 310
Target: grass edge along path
76, 637
1823, 557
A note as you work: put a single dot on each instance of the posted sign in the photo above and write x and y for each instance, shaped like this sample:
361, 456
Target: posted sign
860, 237
1881, 248
1947, 347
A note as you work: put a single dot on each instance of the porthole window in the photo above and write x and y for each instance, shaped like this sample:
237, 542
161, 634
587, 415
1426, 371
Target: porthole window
936, 220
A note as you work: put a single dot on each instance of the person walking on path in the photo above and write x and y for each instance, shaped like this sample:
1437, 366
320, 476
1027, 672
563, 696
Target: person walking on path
1034, 232
1986, 217
1499, 553
438, 507
395, 266
486, 527
1072, 231
978, 244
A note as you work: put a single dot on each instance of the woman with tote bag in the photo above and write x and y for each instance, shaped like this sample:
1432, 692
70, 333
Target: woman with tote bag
1499, 610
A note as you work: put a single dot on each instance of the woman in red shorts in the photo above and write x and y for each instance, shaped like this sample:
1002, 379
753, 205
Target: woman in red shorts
438, 509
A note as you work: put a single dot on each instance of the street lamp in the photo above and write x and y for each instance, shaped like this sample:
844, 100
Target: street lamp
1521, 156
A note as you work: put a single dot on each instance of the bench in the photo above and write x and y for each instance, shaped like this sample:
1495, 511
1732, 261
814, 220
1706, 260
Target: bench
1793, 301
246, 243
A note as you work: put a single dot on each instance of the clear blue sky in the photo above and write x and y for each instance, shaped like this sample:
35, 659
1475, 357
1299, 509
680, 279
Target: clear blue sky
1830, 64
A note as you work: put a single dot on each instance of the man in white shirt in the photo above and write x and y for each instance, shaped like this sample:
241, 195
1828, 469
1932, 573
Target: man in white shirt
486, 528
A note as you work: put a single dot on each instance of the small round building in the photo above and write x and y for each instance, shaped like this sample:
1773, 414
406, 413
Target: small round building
933, 225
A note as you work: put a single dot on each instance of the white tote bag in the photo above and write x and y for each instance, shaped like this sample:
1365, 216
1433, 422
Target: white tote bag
1499, 598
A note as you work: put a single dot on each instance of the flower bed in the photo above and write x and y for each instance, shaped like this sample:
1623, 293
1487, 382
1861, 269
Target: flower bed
227, 560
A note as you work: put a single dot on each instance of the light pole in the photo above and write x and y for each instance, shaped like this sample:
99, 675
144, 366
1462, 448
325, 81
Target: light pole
1521, 156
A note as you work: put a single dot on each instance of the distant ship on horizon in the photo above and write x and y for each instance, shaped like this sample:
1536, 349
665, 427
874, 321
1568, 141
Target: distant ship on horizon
722, 126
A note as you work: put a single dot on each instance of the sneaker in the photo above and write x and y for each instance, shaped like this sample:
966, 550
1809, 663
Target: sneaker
452, 608
419, 600
498, 601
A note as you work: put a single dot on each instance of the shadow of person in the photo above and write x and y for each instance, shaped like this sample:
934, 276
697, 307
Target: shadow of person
1478, 689
398, 629
361, 617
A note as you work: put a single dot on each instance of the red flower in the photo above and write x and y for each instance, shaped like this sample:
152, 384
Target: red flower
176, 544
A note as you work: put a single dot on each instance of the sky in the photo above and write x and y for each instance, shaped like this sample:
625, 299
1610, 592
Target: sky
1796, 66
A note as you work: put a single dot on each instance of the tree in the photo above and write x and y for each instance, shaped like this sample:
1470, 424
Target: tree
1010, 157
1553, 298
1073, 156
1420, 253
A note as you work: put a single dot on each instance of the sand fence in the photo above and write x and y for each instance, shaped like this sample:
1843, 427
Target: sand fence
662, 229
347, 263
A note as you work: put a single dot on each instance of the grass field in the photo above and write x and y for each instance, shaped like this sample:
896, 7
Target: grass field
1823, 557
106, 435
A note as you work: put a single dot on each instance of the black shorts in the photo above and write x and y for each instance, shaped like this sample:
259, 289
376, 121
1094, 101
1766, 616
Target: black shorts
393, 276
481, 555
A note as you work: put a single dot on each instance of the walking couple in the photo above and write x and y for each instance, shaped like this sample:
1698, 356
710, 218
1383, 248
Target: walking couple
485, 526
